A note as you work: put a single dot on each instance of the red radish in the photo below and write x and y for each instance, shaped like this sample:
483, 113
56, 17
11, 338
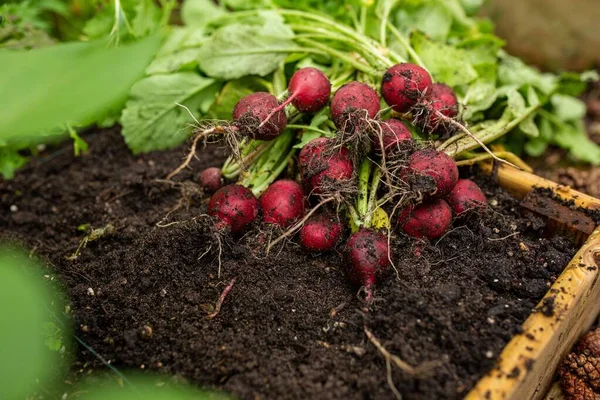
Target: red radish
210, 179
466, 196
428, 220
440, 97
352, 105
282, 203
253, 118
235, 206
321, 232
403, 85
436, 164
309, 90
320, 166
394, 137
367, 258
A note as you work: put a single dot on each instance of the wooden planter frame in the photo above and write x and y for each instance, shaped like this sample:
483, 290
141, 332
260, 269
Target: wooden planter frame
527, 365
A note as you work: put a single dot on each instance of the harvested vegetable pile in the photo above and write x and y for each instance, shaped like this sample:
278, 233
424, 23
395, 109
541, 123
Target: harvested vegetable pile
343, 129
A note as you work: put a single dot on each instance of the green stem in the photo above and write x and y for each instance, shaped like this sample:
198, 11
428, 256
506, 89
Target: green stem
323, 49
354, 215
363, 19
258, 190
372, 206
362, 200
404, 42
489, 134
366, 41
308, 128
270, 164
359, 47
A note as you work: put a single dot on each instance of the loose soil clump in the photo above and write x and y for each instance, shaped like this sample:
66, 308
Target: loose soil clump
291, 326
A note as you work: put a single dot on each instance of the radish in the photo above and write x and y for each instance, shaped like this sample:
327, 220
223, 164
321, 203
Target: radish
282, 203
465, 196
395, 136
321, 165
309, 90
367, 256
321, 232
210, 179
352, 105
403, 85
436, 164
440, 97
428, 220
235, 207
253, 116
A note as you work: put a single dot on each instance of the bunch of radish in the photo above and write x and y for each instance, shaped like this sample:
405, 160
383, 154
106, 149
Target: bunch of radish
342, 175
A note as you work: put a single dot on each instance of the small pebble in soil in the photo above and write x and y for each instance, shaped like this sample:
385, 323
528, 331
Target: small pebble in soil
14, 208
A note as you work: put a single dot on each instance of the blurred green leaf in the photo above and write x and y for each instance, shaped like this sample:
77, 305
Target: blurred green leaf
152, 120
431, 18
179, 52
146, 388
66, 83
25, 301
567, 108
10, 161
446, 63
198, 13
241, 49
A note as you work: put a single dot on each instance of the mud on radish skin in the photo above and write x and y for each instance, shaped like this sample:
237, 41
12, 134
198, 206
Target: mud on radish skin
254, 118
324, 167
435, 164
465, 196
367, 257
439, 98
353, 105
429, 220
394, 136
321, 232
403, 85
283, 203
235, 207
210, 179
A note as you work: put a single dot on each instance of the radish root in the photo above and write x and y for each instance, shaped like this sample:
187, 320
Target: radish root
221, 299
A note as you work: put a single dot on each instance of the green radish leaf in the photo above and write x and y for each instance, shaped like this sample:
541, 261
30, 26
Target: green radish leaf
147, 18
152, 120
179, 52
575, 139
237, 50
446, 63
198, 13
66, 83
567, 108
431, 18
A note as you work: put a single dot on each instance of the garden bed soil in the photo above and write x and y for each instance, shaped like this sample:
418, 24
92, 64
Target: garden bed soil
292, 326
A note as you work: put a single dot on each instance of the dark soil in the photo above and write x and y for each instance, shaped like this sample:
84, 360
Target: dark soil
291, 327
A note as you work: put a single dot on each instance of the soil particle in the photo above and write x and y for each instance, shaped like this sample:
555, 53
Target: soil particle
154, 286
547, 306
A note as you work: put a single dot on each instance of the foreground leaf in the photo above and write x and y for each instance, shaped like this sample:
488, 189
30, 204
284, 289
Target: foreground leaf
152, 120
66, 83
